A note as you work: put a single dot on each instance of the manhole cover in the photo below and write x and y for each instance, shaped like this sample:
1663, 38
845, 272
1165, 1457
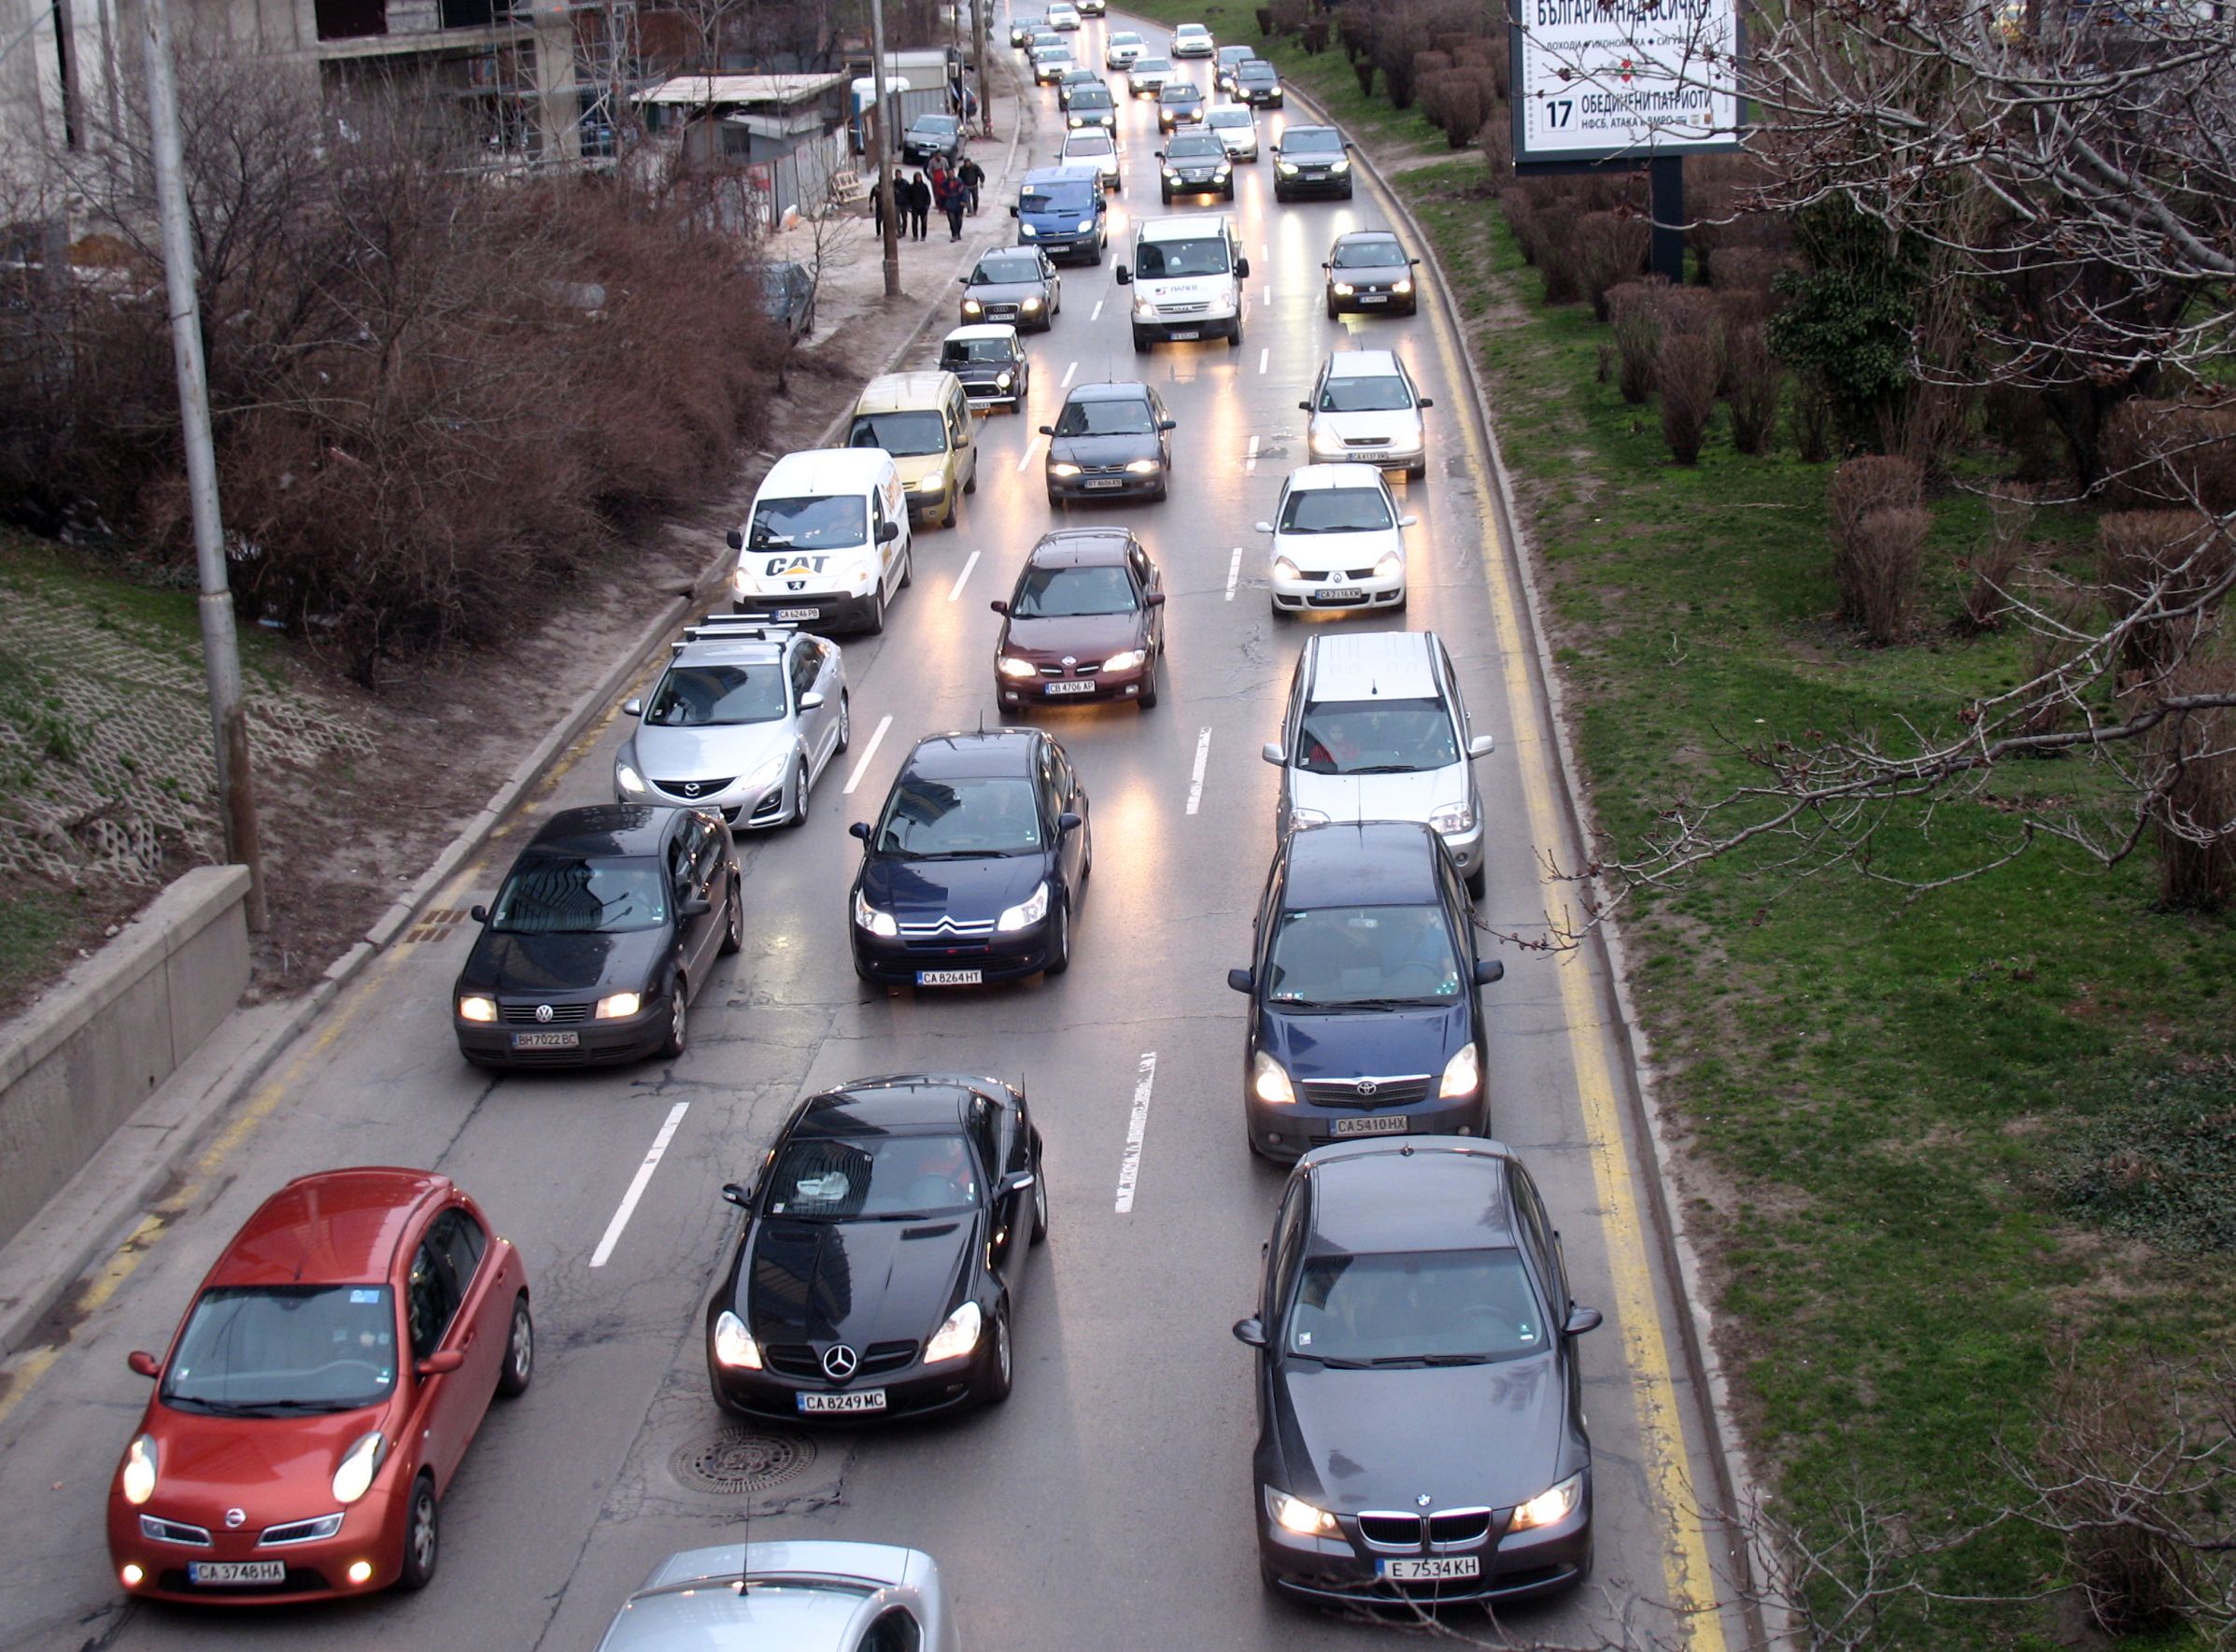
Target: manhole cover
739, 1460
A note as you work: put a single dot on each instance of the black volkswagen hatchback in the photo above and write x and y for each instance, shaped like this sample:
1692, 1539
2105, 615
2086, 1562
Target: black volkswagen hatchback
603, 931
1364, 1017
884, 1250
973, 867
1420, 1421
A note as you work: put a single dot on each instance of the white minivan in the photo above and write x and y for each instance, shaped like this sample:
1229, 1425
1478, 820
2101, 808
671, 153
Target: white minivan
827, 544
1187, 278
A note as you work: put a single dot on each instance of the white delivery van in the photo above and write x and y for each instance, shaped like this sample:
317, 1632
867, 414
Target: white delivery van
828, 543
1187, 278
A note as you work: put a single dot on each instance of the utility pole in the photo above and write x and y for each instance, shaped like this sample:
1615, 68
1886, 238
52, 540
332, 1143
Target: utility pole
885, 146
220, 644
978, 64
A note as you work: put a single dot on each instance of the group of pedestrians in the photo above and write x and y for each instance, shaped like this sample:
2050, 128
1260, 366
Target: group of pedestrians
951, 193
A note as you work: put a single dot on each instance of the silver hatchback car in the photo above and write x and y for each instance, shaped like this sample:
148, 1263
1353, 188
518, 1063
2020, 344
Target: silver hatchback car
1375, 729
814, 1596
743, 719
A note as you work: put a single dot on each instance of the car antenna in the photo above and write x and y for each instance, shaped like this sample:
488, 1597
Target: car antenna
746, 1544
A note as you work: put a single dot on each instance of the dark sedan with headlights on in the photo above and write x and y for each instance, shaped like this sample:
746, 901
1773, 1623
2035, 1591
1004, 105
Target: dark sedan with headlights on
1195, 163
1364, 1017
1421, 1418
1085, 623
970, 871
1013, 284
1109, 440
1369, 270
886, 1247
606, 927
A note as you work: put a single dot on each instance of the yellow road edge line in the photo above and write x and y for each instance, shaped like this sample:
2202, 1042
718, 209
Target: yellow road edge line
1685, 1568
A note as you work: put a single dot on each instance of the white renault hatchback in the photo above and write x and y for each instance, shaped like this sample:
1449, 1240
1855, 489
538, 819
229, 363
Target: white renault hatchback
1338, 542
1364, 410
1094, 146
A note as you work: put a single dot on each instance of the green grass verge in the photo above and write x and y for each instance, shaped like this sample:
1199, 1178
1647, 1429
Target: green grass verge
1956, 1136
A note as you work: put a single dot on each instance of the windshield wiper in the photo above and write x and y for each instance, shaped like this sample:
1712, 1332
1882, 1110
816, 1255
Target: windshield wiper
1383, 769
1332, 1363
1423, 1001
971, 853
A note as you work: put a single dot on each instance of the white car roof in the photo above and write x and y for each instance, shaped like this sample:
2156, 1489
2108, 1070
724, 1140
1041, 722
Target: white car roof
1308, 477
1230, 116
1194, 227
1390, 665
980, 330
827, 469
691, 1599
1363, 364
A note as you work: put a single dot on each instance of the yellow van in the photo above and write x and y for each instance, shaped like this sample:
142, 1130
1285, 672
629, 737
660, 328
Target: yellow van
923, 419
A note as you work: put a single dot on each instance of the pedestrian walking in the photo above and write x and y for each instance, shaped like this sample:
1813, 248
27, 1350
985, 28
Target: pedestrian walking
953, 196
920, 201
877, 210
972, 177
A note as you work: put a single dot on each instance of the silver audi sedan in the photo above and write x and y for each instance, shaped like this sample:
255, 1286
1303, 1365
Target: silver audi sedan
814, 1596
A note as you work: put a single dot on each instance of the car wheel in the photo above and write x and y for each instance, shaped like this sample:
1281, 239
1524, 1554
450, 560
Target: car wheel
1086, 858
847, 714
679, 1015
1147, 699
422, 1536
1234, 339
1332, 311
733, 922
1400, 607
1478, 880
876, 621
1165, 195
1040, 1201
519, 1351
1095, 254
1059, 950
1140, 343
1281, 195
948, 520
971, 486
800, 796
1001, 1357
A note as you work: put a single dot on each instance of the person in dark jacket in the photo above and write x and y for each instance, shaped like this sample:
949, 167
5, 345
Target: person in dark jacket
953, 197
920, 202
972, 177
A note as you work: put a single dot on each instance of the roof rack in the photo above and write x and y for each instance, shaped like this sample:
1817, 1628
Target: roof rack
733, 627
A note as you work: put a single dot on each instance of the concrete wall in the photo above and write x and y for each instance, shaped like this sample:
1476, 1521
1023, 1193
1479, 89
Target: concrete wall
82, 1060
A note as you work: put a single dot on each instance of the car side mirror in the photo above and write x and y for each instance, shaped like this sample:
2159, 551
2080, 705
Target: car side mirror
143, 1363
1579, 1320
736, 540
1016, 1181
480, 914
1241, 981
1168, 424
1414, 261
1154, 599
1014, 213
1250, 1332
810, 700
1001, 605
1482, 746
441, 1362
1327, 266
1048, 430
1304, 407
739, 1195
1427, 401
860, 828
1409, 521
1488, 970
1158, 153
633, 707
888, 534
962, 280
1273, 754
693, 906
1067, 822
1263, 527
1123, 276
1242, 269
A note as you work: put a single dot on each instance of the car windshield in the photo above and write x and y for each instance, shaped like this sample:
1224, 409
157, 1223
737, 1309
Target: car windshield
1415, 1306
998, 269
273, 1349
567, 894
1224, 119
703, 696
839, 1178
934, 126
1336, 510
1094, 141
1364, 255
1106, 418
1376, 737
1178, 91
1158, 260
820, 522
1125, 37
1066, 197
960, 352
1153, 65
1061, 593
962, 819
1385, 394
1355, 954
1090, 98
904, 435
1259, 73
1195, 146
1304, 140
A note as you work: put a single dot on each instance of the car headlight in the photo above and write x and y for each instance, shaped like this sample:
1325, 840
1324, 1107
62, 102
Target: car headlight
354, 1478
1074, 120
973, 308
617, 1006
1294, 1514
627, 779
1029, 910
1003, 381
869, 917
933, 483
1008, 665
1026, 231
1062, 466
1452, 818
1461, 1074
1548, 1507
739, 584
140, 1470
1032, 304
734, 1347
1308, 817
1287, 168
1125, 659
1344, 290
1284, 568
1341, 166
475, 1007
1145, 309
957, 1337
1224, 173
1143, 467
1171, 177
1389, 565
1268, 1082
1326, 442
1401, 285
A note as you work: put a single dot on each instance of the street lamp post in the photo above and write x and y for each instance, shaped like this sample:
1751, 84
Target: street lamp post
885, 146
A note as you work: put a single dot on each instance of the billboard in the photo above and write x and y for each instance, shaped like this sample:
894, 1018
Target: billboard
1597, 79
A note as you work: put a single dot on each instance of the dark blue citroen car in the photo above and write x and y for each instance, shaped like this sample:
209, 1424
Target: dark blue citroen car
972, 869
1365, 1014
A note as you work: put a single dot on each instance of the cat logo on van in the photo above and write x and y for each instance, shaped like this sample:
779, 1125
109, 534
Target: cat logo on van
779, 567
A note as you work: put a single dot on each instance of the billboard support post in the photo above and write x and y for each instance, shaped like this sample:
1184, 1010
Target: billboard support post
1666, 201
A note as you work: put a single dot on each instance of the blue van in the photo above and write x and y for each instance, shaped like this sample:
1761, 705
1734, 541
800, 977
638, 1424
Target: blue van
1062, 211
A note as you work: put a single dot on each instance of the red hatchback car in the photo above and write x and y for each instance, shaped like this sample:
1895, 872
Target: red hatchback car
320, 1394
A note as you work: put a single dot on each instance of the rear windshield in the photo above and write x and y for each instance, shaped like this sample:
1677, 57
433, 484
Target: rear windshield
904, 435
